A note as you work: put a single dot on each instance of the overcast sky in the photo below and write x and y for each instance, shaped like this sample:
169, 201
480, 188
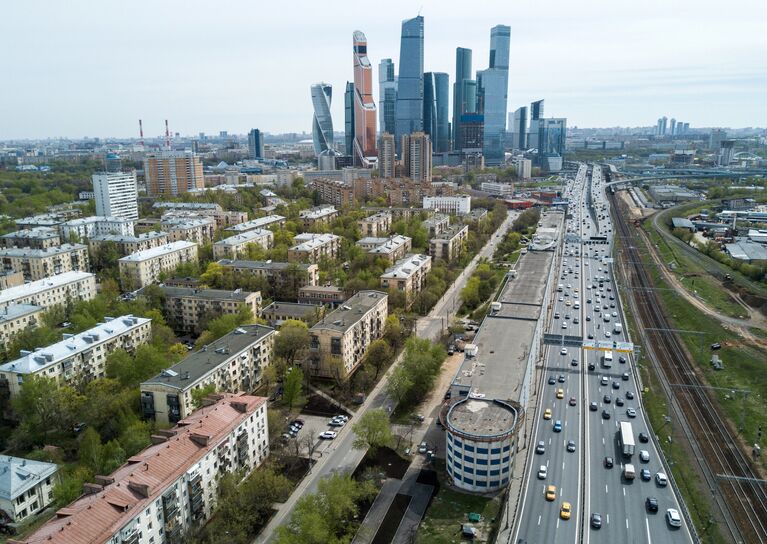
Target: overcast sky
94, 67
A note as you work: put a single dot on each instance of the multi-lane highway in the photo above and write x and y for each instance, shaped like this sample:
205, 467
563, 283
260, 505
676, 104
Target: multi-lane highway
595, 398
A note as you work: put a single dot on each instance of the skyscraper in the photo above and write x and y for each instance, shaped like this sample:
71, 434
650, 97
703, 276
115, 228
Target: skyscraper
322, 122
493, 86
171, 173
416, 156
551, 143
672, 128
349, 119
410, 82
462, 72
435, 110
386, 156
255, 144
113, 162
519, 129
536, 114
387, 96
116, 194
364, 107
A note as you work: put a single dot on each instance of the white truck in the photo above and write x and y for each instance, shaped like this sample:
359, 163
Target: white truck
628, 471
617, 328
626, 439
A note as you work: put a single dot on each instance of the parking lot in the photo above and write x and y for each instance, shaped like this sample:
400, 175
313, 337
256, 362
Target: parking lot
308, 438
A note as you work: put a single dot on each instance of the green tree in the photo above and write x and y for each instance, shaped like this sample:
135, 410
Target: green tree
292, 341
373, 430
393, 331
378, 355
135, 437
199, 394
294, 381
90, 450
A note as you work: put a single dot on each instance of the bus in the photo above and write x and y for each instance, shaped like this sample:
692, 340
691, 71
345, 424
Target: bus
607, 359
626, 438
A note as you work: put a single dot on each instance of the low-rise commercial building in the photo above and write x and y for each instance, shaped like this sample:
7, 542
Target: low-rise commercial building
270, 221
454, 205
58, 290
393, 248
37, 264
170, 487
129, 244
277, 273
234, 246
78, 357
346, 333
198, 231
232, 363
376, 225
188, 309
278, 312
497, 189
36, 238
320, 215
144, 267
27, 486
17, 318
407, 276
321, 294
450, 244
311, 248
82, 229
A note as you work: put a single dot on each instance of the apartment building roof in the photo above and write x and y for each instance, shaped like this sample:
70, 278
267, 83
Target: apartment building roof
50, 219
451, 232
436, 219
376, 216
20, 291
119, 238
15, 311
187, 222
210, 294
245, 237
72, 344
37, 233
142, 480
39, 253
309, 241
294, 310
95, 219
406, 267
196, 365
261, 222
390, 245
371, 240
153, 252
18, 475
265, 265
188, 205
317, 213
350, 312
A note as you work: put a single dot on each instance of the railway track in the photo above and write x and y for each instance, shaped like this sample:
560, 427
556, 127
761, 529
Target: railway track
745, 500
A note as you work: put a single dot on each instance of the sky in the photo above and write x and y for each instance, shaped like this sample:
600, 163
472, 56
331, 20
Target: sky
94, 67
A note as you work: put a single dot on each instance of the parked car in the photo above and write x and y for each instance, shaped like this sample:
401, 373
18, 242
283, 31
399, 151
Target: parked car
328, 435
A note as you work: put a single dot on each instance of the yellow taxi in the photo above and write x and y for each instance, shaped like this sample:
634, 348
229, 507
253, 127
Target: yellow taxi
568, 303
547, 413
551, 493
560, 393
564, 511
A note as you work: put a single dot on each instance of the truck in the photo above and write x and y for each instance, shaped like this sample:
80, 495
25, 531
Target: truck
607, 359
626, 439
617, 328
628, 471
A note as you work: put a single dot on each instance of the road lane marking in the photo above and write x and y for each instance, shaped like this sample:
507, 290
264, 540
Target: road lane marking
608, 518
605, 488
539, 520
624, 491
563, 466
647, 527
627, 523
603, 440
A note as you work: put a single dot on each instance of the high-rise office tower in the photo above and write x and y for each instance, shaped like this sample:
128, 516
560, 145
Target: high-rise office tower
519, 129
116, 194
686, 128
322, 121
171, 173
494, 85
462, 72
387, 154
429, 105
536, 114
410, 81
113, 162
255, 144
726, 152
349, 119
662, 125
416, 156
364, 107
387, 96
672, 127
436, 108
551, 142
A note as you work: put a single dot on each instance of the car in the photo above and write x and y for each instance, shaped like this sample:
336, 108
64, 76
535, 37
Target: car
560, 393
607, 399
596, 520
625, 376
716, 345
299, 422
556, 315
673, 517
576, 321
590, 336
547, 413
423, 447
552, 380
592, 366
608, 462
629, 395
341, 417
607, 334
616, 385
563, 351
561, 299
605, 414
622, 360
651, 503
328, 435
336, 423
564, 510
564, 324
551, 492
557, 426
572, 401
294, 428
561, 378
661, 480
451, 350
644, 438
604, 380
645, 474
631, 412
570, 446
540, 448
292, 433
543, 471
593, 406
644, 456
574, 362
588, 318
419, 417
619, 401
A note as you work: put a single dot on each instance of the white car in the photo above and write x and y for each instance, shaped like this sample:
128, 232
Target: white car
607, 334
644, 456
673, 517
563, 351
328, 435
543, 472
661, 479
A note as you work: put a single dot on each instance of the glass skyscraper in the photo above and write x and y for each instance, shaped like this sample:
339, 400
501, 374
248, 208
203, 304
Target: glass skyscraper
441, 142
410, 81
519, 129
255, 144
349, 119
462, 72
536, 114
322, 122
551, 143
364, 106
494, 85
387, 96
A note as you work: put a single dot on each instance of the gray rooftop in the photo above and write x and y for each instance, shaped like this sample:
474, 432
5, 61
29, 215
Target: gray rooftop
57, 280
196, 365
18, 475
406, 267
15, 311
151, 253
482, 417
245, 237
37, 253
747, 250
291, 309
119, 238
38, 233
390, 245
210, 294
682, 223
259, 223
188, 205
350, 312
450, 232
266, 265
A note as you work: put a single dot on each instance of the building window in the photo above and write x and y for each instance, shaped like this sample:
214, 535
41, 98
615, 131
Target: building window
468, 470
469, 481
481, 461
482, 483
495, 472
458, 455
468, 447
494, 483
468, 458
481, 472
495, 451
481, 450
495, 461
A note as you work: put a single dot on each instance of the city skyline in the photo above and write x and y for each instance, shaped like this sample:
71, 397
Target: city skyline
558, 51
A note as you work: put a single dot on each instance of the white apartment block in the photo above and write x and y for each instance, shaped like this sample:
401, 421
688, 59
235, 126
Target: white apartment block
78, 357
408, 276
26, 488
460, 205
187, 206
222, 218
321, 215
346, 333
311, 248
497, 189
116, 194
38, 264
232, 363
450, 244
232, 247
393, 248
376, 225
524, 168
56, 290
144, 267
129, 244
96, 225
198, 231
170, 487
17, 318
187, 309
36, 238
270, 221
276, 272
